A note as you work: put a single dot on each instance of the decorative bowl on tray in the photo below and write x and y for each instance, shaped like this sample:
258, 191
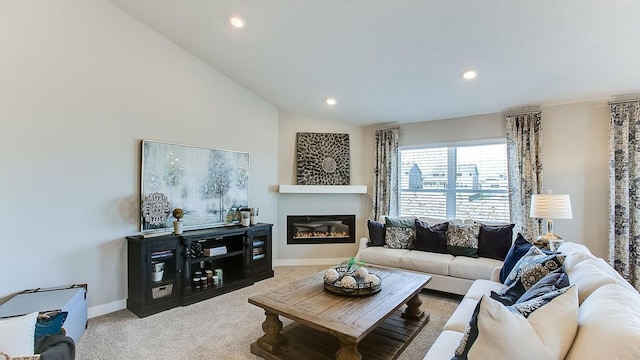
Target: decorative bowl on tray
349, 280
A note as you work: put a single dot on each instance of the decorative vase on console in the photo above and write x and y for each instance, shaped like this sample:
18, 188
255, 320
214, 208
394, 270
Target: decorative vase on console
177, 225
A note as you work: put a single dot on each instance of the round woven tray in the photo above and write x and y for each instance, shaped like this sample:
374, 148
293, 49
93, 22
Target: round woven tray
362, 289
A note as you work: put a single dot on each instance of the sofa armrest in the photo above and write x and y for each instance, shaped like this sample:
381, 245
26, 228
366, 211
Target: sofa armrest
364, 242
495, 275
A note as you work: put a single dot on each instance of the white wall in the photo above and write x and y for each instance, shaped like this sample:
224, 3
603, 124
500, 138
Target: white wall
576, 162
81, 84
318, 204
575, 159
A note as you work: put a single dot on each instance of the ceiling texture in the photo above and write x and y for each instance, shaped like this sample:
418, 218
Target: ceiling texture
401, 61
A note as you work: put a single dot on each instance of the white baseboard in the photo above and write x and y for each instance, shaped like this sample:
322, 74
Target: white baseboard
106, 308
301, 262
122, 304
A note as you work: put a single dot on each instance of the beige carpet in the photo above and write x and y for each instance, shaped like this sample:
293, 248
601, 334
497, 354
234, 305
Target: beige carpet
219, 328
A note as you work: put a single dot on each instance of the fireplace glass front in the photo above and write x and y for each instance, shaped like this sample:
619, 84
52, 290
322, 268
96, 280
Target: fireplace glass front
320, 229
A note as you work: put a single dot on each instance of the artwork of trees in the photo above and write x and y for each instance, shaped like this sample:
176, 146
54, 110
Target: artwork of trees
208, 184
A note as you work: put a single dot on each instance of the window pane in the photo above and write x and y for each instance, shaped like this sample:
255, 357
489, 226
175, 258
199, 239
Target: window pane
482, 167
482, 206
429, 204
477, 190
424, 168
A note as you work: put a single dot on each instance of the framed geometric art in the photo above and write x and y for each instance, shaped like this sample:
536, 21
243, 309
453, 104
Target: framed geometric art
208, 184
322, 159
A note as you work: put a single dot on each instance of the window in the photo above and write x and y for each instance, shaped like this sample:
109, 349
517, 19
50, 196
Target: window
463, 182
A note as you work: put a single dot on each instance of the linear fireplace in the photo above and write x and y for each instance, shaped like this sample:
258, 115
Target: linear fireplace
321, 229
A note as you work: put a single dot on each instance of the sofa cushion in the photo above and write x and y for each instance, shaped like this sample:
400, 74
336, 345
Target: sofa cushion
473, 268
433, 221
569, 248
442, 347
462, 240
428, 262
608, 325
431, 238
399, 232
533, 266
544, 330
482, 287
382, 256
494, 241
459, 320
519, 247
590, 274
376, 232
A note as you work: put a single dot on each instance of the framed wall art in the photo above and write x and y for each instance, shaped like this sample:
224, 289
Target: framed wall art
208, 184
322, 159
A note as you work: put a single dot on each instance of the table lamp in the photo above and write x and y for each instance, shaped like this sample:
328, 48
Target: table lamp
550, 206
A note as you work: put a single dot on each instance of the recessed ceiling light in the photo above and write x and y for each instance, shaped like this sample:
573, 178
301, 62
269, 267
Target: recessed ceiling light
469, 74
331, 101
237, 22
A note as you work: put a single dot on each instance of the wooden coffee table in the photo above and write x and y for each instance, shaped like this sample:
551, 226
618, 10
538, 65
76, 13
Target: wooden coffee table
328, 326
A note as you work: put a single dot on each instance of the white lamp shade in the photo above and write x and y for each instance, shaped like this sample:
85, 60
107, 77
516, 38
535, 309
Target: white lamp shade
551, 206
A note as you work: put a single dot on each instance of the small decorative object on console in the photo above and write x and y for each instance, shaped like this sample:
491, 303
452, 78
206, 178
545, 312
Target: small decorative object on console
155, 208
177, 225
351, 279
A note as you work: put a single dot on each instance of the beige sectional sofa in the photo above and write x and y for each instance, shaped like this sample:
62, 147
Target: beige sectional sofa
452, 274
608, 316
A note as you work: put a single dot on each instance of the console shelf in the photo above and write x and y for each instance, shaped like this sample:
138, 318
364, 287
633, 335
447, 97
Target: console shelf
245, 259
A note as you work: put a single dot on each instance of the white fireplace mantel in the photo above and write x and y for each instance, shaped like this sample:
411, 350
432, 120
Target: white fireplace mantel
322, 189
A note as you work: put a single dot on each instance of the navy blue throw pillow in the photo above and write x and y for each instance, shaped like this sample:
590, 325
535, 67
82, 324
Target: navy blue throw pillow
376, 233
494, 241
517, 250
510, 295
431, 238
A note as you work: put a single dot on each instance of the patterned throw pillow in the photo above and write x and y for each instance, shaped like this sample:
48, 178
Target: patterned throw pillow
533, 266
546, 327
515, 293
399, 232
462, 240
555, 280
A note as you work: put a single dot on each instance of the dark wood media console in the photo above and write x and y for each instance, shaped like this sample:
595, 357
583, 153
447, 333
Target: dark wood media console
162, 268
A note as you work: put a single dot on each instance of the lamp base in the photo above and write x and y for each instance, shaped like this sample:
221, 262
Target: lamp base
542, 241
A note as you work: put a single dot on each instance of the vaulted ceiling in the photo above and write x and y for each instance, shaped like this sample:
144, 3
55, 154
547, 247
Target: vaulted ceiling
398, 61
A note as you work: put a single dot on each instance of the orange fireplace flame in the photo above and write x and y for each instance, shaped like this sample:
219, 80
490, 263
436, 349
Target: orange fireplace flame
321, 234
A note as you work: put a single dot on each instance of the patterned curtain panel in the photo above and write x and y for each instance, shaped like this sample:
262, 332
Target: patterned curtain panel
624, 187
385, 173
524, 157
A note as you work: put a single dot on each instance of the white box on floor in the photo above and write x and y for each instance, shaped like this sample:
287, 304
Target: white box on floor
72, 299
